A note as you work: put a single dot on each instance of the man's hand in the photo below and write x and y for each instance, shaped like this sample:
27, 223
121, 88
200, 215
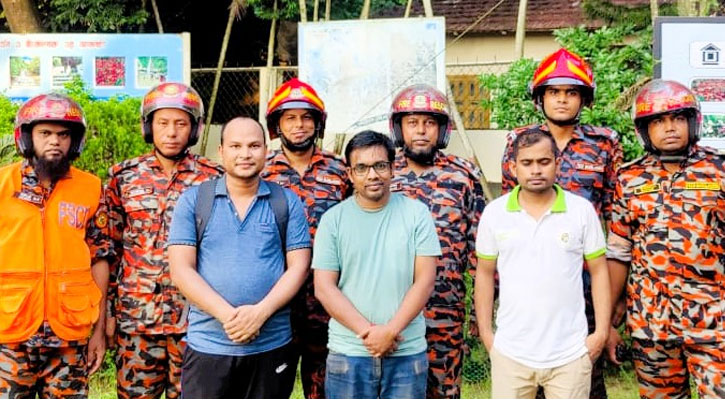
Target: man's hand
380, 340
487, 339
619, 311
245, 323
110, 332
613, 341
96, 351
595, 344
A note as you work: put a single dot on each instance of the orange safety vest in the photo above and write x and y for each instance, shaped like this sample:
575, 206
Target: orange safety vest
45, 263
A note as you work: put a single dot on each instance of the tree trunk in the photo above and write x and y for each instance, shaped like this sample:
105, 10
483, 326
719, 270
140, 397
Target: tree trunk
303, 11
327, 9
22, 16
157, 16
270, 41
365, 13
654, 9
234, 10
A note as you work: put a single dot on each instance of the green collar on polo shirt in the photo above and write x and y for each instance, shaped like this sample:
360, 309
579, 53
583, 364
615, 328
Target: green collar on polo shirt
559, 205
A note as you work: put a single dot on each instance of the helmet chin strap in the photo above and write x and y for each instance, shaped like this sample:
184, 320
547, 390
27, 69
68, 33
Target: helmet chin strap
176, 157
297, 147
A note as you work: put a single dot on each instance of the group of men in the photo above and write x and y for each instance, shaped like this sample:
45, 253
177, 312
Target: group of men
199, 274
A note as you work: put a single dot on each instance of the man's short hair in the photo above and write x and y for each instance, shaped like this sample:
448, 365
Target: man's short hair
242, 117
367, 139
532, 136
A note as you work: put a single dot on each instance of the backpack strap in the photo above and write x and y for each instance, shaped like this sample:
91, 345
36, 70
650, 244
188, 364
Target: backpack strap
278, 202
204, 205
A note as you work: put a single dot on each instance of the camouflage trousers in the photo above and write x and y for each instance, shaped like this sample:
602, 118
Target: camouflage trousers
664, 369
309, 342
445, 361
149, 365
46, 372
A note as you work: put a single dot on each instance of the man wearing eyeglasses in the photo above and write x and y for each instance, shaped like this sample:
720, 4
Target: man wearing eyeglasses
374, 259
450, 187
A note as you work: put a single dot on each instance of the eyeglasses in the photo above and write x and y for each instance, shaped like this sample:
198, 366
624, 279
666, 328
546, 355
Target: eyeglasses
379, 167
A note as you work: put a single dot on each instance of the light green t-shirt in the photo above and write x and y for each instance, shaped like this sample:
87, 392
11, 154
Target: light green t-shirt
375, 255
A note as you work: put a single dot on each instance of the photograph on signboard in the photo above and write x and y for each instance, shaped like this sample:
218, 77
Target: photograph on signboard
65, 69
110, 71
709, 89
713, 126
24, 71
151, 71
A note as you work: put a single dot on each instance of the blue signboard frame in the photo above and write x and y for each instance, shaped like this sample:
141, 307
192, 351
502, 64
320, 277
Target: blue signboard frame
109, 64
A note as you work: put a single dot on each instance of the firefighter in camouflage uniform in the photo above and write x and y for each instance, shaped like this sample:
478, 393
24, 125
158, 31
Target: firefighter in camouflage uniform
666, 245
147, 313
450, 187
53, 272
296, 115
561, 86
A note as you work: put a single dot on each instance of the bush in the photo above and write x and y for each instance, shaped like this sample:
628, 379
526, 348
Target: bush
113, 135
620, 57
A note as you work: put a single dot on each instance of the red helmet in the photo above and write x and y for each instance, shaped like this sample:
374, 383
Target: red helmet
563, 68
52, 107
172, 95
295, 94
662, 97
421, 99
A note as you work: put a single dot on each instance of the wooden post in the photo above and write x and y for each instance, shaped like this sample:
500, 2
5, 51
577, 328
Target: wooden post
327, 9
428, 8
315, 12
464, 139
520, 30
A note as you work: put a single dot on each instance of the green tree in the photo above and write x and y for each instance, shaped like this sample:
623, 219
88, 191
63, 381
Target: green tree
341, 9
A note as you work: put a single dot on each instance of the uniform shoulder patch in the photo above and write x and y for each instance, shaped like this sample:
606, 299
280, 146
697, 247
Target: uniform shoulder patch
602, 131
102, 219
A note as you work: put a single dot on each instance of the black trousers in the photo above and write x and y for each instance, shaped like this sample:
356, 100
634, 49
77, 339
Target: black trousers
258, 376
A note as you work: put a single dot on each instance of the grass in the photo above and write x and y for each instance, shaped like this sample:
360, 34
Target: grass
621, 384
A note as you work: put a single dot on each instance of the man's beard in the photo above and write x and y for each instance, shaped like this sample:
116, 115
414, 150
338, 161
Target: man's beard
420, 157
52, 169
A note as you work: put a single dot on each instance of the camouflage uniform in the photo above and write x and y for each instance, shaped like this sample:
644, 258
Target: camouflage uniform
588, 166
324, 184
46, 365
150, 311
675, 224
452, 190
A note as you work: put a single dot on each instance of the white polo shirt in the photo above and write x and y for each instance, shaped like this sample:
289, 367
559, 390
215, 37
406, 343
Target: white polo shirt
540, 320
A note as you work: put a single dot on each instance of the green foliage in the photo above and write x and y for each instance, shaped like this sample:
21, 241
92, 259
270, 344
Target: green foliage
7, 125
93, 15
639, 16
342, 9
620, 57
113, 133
114, 130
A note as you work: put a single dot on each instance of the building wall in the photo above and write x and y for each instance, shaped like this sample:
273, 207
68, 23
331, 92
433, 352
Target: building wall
474, 48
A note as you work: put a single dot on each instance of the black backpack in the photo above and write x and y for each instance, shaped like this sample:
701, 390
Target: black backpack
205, 204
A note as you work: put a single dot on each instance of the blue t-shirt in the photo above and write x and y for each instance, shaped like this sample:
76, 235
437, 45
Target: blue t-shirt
241, 258
374, 252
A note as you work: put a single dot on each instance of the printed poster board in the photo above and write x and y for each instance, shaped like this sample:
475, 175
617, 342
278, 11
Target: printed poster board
691, 50
110, 64
358, 66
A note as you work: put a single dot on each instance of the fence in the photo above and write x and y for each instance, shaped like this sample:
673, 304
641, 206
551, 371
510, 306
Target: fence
240, 89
